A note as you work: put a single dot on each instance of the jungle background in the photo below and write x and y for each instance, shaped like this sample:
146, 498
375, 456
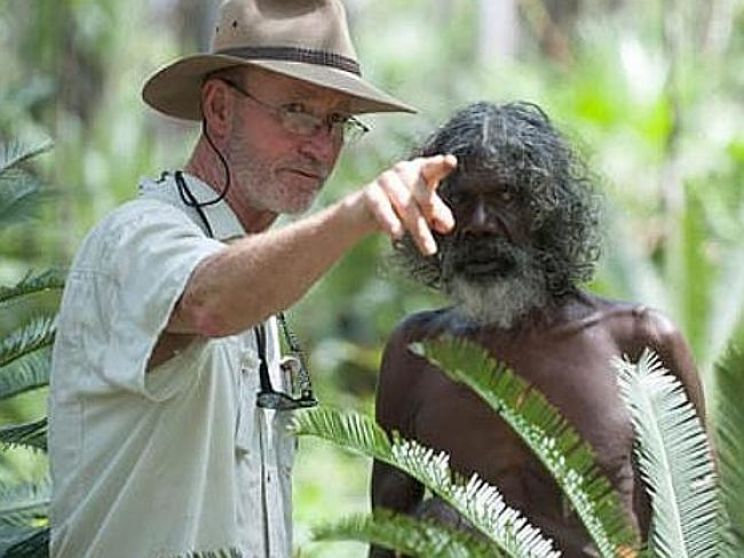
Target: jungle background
651, 90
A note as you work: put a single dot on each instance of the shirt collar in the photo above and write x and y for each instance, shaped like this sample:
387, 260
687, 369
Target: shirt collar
222, 219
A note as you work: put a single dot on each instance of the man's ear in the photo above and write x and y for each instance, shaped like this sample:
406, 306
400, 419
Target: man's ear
216, 108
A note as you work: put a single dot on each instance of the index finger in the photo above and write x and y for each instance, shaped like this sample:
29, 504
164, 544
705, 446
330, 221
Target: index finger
435, 169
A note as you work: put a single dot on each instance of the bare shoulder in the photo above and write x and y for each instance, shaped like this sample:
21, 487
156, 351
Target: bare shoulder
397, 357
401, 370
636, 327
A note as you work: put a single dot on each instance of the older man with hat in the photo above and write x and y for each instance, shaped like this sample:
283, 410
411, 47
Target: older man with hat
169, 397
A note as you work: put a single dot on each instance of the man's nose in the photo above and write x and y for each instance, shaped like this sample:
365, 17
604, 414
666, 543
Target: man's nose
322, 146
478, 221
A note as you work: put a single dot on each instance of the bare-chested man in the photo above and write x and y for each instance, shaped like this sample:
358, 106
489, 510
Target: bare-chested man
525, 238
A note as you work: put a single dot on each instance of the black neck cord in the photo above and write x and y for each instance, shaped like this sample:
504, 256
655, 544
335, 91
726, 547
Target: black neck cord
187, 196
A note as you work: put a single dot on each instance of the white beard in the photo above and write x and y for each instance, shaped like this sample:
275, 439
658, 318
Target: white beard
500, 302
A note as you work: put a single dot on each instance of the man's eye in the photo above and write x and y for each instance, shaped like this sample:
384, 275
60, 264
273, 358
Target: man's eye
337, 118
294, 108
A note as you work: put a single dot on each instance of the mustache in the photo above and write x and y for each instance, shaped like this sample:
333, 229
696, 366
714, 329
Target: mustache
484, 250
311, 166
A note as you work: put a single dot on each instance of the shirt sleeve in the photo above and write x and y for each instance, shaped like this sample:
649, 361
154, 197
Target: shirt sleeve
151, 250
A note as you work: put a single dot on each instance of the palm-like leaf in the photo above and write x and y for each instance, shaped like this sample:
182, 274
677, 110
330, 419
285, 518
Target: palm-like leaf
32, 543
33, 284
407, 535
19, 196
24, 359
728, 420
25, 374
478, 502
19, 190
541, 426
38, 333
31, 434
24, 504
674, 460
15, 153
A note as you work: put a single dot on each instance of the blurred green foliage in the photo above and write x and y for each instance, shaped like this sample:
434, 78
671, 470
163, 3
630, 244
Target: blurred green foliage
650, 89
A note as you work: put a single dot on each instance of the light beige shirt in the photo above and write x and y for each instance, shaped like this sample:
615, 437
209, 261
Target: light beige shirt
180, 459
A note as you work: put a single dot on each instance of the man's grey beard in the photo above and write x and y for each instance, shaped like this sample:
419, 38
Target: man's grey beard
502, 301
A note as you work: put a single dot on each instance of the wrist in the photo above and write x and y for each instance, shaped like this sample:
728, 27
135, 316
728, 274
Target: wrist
357, 215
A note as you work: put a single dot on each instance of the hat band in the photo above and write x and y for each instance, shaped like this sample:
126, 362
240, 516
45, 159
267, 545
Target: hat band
296, 54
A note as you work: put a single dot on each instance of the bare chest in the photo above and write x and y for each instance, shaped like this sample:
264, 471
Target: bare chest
573, 371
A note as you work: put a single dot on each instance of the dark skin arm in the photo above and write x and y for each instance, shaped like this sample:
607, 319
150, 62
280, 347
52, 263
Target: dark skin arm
391, 488
656, 331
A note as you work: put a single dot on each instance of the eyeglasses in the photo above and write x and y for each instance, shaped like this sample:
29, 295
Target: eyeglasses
295, 119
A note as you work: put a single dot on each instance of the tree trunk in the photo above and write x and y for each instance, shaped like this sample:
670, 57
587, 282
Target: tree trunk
498, 32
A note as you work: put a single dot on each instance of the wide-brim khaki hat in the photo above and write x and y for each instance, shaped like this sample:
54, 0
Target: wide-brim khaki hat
302, 39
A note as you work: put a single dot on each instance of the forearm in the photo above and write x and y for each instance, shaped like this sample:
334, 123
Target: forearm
393, 490
264, 273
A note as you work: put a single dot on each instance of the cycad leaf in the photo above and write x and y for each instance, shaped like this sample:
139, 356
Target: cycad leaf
19, 196
24, 357
31, 337
728, 421
674, 460
16, 153
34, 544
408, 536
477, 502
27, 372
30, 434
25, 503
33, 284
544, 430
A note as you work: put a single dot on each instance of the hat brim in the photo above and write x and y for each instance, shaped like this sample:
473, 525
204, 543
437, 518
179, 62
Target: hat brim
175, 90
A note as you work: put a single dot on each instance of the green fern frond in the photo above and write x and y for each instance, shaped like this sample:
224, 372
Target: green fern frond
20, 196
23, 504
36, 334
478, 502
406, 535
26, 373
728, 421
15, 153
33, 284
32, 544
674, 459
31, 434
540, 425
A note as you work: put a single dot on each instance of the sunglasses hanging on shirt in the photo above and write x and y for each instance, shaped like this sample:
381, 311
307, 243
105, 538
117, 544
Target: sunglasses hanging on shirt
268, 397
